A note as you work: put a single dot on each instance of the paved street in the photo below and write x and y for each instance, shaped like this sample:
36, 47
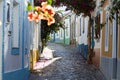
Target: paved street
71, 66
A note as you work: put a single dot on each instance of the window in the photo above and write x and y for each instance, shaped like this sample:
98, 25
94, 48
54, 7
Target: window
74, 27
61, 33
67, 30
8, 12
57, 34
83, 25
80, 26
107, 33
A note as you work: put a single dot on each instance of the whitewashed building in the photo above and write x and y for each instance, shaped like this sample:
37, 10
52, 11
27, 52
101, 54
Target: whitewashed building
17, 37
81, 34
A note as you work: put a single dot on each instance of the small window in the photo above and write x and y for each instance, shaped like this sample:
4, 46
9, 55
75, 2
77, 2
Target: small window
8, 12
74, 26
61, 33
67, 30
57, 33
83, 25
107, 33
80, 26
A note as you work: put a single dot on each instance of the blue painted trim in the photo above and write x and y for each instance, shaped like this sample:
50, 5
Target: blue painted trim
21, 74
23, 48
93, 42
15, 51
26, 30
80, 48
83, 49
4, 10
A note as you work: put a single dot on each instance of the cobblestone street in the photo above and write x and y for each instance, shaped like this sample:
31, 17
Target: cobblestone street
71, 66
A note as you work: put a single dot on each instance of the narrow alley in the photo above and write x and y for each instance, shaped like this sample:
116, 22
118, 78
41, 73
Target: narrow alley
72, 66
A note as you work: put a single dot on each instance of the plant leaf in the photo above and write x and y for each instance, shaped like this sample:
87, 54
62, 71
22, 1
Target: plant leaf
50, 1
29, 7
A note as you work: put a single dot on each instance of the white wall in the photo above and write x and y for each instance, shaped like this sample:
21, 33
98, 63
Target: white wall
12, 62
67, 26
84, 25
81, 25
86, 30
35, 36
16, 26
77, 29
61, 33
1, 8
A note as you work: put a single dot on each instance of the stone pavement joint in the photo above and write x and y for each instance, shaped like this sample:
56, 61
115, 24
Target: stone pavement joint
71, 66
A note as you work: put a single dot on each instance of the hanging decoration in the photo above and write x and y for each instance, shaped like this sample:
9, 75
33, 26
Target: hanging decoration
78, 6
43, 12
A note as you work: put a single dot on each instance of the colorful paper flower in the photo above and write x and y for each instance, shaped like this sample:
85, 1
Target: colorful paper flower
46, 12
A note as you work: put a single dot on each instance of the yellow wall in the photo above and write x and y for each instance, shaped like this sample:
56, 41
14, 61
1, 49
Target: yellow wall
109, 53
96, 58
34, 56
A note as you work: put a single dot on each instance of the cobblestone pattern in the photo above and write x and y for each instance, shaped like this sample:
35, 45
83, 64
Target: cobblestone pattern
72, 66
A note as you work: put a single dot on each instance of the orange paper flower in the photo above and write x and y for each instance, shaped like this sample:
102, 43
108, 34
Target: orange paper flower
46, 12
49, 10
38, 8
51, 20
36, 17
30, 16
44, 4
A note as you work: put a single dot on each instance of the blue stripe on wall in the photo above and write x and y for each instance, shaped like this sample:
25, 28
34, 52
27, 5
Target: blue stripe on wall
4, 1
21, 74
23, 46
